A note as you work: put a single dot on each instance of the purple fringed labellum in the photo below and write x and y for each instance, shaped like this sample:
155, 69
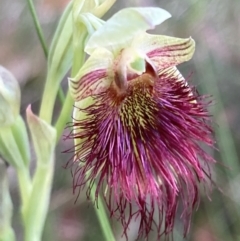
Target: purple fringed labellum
139, 131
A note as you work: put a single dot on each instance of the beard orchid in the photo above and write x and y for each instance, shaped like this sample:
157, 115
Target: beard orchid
138, 126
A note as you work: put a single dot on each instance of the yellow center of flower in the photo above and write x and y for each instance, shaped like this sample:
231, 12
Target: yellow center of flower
132, 91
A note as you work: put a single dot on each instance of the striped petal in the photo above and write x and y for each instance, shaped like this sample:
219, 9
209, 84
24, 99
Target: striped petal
95, 75
79, 115
165, 51
174, 73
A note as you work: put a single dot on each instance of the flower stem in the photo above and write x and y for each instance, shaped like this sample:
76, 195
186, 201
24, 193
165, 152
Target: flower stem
6, 231
37, 26
48, 99
102, 217
41, 39
25, 187
38, 202
64, 115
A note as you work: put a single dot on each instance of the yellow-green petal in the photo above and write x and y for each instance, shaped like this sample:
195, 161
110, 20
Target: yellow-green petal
95, 75
165, 51
121, 27
79, 115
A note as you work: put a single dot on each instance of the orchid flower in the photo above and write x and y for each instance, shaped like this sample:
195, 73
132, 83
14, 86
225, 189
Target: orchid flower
138, 125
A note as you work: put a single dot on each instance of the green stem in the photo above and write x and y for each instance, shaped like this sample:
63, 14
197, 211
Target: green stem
25, 187
37, 27
64, 115
41, 39
48, 100
102, 217
36, 213
78, 60
6, 231
61, 95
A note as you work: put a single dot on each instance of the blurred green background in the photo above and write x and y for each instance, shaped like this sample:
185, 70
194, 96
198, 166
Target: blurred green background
215, 69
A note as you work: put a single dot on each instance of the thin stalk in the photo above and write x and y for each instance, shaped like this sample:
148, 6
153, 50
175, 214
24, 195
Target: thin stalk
6, 206
25, 187
78, 60
42, 41
38, 27
65, 115
48, 99
102, 217
36, 213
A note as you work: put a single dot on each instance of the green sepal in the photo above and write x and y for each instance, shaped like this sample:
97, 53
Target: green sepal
43, 137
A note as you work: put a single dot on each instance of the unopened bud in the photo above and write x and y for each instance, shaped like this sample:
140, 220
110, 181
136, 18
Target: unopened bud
9, 98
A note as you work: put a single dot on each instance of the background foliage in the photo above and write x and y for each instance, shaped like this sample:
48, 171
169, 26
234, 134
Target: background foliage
215, 69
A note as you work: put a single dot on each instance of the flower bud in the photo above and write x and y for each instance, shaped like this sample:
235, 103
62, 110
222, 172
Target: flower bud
9, 98
43, 137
